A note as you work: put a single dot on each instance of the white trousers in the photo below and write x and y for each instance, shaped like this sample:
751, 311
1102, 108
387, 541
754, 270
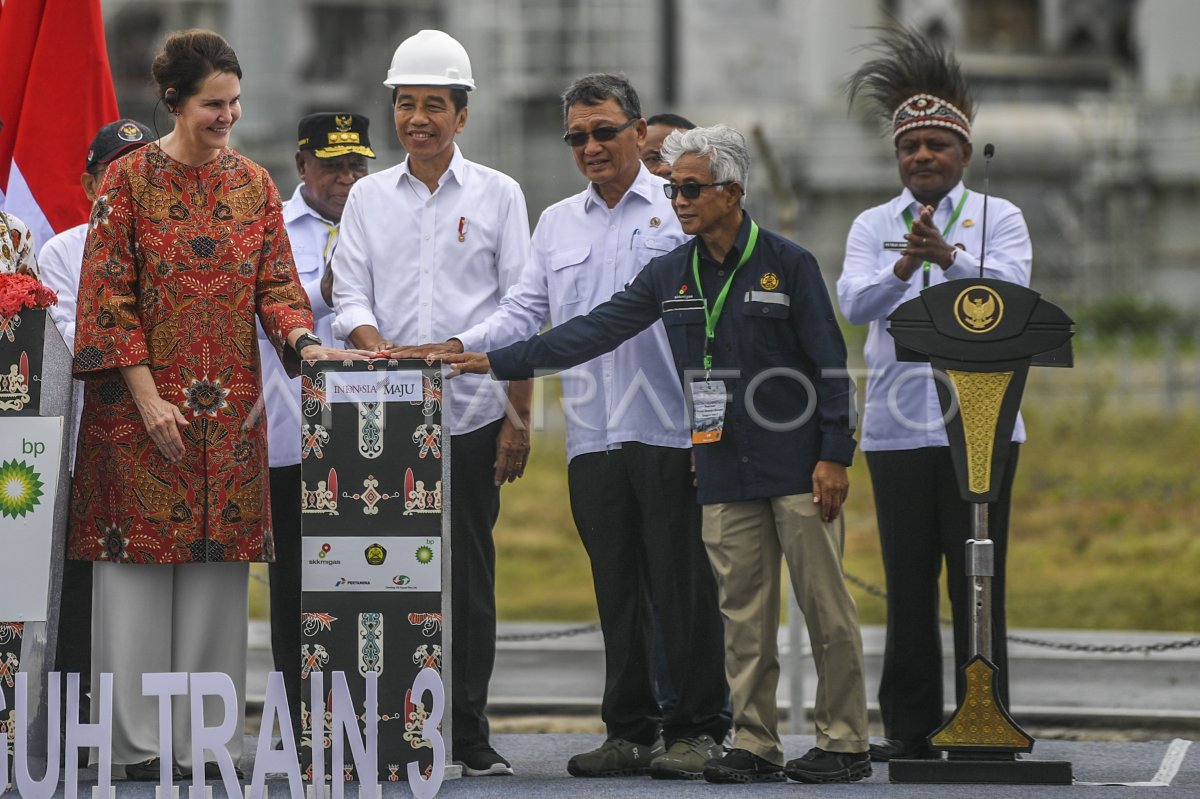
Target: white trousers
183, 618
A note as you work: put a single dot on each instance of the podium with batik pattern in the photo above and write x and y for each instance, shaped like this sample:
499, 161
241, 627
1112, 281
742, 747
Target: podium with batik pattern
375, 467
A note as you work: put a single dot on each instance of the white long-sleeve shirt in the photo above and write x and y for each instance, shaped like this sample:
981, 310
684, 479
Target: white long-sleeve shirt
582, 253
902, 409
61, 260
422, 266
308, 233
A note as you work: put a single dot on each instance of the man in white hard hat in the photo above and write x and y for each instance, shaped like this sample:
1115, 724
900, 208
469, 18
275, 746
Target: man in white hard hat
427, 249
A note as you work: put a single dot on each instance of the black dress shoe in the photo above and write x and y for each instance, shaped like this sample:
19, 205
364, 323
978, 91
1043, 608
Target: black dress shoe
213, 772
147, 771
896, 749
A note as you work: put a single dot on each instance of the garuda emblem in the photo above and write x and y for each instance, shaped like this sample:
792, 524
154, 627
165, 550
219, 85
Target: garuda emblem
979, 309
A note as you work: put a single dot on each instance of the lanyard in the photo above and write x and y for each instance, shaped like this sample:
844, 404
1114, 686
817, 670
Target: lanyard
330, 242
908, 220
710, 318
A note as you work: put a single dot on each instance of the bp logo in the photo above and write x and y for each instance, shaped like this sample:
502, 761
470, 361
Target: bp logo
20, 489
424, 554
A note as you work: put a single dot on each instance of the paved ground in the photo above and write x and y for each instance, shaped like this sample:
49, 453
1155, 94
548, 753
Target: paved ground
1048, 686
539, 761
1075, 703
1147, 695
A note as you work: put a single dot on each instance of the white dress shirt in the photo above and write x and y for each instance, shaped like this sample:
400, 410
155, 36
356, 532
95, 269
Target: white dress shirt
308, 233
61, 261
421, 266
902, 409
582, 253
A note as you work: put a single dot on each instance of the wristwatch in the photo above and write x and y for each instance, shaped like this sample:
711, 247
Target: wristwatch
305, 340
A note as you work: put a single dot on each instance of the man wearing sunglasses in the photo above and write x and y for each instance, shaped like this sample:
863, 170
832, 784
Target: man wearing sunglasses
628, 448
759, 353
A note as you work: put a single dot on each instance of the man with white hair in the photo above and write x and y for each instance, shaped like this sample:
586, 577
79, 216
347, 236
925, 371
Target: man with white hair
756, 345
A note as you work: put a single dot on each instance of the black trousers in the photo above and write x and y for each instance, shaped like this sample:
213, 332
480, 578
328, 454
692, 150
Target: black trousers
475, 507
923, 520
636, 511
74, 648
285, 583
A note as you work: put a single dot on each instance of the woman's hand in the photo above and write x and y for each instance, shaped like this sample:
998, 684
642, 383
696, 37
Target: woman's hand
162, 419
163, 422
317, 352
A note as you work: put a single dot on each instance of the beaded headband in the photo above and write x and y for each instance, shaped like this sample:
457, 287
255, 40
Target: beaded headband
927, 110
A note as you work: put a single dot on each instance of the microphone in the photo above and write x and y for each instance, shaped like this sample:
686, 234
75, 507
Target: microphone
989, 150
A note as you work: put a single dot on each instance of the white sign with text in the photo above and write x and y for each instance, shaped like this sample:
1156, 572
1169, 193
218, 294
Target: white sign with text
388, 385
29, 458
371, 564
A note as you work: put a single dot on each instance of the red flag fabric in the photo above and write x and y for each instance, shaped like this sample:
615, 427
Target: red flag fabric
56, 93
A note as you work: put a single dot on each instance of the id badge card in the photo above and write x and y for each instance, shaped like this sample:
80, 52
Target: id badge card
708, 411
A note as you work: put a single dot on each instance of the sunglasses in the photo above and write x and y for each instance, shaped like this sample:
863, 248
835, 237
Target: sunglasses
689, 190
606, 133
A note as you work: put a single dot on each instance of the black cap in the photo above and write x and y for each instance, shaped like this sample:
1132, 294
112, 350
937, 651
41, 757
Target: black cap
116, 139
329, 135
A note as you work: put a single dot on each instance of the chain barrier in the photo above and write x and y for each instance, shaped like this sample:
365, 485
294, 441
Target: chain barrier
876, 591
1064, 646
550, 634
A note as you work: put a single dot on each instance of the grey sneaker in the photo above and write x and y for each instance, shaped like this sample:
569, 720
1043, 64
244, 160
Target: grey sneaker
685, 759
616, 757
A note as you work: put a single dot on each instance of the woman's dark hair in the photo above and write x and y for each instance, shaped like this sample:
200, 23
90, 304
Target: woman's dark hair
187, 58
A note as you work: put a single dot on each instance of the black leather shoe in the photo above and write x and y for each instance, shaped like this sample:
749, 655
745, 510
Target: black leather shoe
822, 766
147, 771
213, 772
896, 749
740, 765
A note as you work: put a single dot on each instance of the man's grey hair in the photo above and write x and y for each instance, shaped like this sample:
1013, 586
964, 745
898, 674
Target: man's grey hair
723, 146
594, 89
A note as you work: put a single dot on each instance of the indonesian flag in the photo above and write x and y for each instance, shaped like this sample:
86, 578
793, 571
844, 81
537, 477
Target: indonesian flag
56, 92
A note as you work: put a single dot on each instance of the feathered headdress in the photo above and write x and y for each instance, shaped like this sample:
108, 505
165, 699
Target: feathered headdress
914, 83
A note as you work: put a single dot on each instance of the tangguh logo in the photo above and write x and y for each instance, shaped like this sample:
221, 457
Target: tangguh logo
20, 488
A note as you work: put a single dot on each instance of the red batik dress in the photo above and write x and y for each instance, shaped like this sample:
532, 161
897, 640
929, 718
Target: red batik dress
178, 262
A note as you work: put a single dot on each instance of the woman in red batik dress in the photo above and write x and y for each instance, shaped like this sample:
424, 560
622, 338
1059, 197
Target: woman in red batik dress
170, 495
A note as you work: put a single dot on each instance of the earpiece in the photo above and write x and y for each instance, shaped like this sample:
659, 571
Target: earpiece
170, 98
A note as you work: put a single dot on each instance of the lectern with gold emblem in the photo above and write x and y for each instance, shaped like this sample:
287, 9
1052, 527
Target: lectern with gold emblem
981, 336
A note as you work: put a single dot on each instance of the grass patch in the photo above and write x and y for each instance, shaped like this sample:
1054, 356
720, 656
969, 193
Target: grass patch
1104, 531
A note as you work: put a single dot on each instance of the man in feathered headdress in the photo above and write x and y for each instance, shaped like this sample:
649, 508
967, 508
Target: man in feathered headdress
930, 233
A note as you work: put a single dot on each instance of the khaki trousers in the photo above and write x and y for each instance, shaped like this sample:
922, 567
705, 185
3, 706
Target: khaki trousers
162, 618
745, 541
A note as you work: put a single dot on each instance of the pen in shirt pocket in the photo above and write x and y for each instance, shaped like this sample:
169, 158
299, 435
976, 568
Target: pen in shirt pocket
633, 238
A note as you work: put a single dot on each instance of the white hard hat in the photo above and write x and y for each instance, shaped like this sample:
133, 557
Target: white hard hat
430, 58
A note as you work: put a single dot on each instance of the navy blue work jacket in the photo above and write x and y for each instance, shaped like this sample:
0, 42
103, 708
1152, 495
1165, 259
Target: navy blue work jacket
777, 348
